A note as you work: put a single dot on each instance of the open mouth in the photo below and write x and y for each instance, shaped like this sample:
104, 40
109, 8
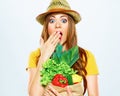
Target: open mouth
61, 33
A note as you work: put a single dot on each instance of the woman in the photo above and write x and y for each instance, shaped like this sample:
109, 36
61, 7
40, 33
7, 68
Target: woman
59, 28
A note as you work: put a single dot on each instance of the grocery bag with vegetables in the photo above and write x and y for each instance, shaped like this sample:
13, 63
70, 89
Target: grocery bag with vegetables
58, 72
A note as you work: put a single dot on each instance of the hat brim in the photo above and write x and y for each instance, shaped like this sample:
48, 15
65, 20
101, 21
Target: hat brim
75, 15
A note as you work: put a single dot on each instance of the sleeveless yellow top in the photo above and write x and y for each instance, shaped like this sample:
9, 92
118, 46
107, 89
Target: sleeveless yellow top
91, 67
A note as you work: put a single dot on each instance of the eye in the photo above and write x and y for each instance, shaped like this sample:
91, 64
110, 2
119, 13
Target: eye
64, 20
52, 21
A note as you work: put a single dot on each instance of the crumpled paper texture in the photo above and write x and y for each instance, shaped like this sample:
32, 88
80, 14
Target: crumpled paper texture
77, 89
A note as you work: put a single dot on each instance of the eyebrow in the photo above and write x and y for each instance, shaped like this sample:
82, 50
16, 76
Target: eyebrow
60, 16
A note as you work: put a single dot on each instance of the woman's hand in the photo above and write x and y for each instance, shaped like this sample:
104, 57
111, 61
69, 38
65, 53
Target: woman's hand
52, 92
48, 47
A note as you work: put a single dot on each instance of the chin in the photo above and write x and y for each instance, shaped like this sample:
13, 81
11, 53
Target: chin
61, 42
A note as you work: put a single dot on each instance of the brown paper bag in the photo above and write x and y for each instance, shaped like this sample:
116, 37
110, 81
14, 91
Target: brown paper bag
77, 89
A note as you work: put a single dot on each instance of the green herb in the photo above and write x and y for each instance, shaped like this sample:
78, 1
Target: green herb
60, 63
51, 68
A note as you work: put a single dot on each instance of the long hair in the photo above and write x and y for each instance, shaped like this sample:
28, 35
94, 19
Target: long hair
70, 42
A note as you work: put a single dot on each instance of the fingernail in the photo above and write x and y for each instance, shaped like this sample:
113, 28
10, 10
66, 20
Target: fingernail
58, 32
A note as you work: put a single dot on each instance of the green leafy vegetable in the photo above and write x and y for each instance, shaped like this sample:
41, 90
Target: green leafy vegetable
51, 68
60, 63
69, 57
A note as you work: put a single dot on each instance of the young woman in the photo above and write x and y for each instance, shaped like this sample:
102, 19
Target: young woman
59, 28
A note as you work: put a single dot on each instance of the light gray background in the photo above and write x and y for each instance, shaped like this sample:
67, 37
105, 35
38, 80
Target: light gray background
19, 35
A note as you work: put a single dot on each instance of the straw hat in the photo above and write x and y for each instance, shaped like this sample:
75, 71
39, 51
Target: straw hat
57, 6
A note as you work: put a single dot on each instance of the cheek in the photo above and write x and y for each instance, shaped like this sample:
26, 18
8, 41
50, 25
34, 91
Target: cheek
65, 36
65, 33
50, 29
65, 30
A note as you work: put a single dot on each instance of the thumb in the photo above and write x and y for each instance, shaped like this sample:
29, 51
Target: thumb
41, 41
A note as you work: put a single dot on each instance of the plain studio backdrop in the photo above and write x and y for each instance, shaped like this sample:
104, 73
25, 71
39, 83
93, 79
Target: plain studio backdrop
19, 35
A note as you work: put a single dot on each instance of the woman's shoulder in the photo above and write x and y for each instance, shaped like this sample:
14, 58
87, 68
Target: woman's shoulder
91, 67
88, 52
33, 58
35, 53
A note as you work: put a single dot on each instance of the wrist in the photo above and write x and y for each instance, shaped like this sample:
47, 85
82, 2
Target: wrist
42, 59
40, 62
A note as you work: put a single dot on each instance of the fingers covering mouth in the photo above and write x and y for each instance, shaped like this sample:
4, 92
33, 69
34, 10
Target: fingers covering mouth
61, 33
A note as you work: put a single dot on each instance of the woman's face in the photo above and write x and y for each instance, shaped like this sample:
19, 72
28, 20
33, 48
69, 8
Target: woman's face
58, 23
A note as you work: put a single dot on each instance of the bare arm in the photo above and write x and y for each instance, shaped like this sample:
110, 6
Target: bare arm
92, 85
34, 86
47, 48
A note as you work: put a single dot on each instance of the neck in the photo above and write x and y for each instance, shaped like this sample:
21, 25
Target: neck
64, 46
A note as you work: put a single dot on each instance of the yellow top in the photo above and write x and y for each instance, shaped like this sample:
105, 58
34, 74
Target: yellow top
91, 67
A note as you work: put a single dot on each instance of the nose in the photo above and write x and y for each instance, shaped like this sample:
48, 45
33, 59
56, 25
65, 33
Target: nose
57, 25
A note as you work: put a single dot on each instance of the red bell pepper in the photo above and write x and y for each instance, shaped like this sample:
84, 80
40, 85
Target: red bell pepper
60, 80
